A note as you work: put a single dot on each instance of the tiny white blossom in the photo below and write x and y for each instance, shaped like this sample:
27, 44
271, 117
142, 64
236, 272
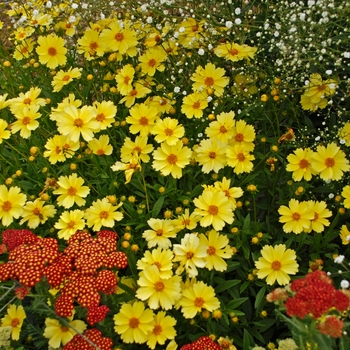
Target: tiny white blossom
74, 6
331, 196
344, 284
176, 89
329, 72
209, 98
210, 46
184, 93
35, 12
229, 24
339, 259
346, 54
182, 29
237, 11
201, 52
49, 4
238, 21
149, 20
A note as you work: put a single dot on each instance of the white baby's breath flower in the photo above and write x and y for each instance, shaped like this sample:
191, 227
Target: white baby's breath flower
339, 259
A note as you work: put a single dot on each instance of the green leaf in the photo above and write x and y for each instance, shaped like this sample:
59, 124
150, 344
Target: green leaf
224, 285
260, 299
233, 304
158, 205
248, 340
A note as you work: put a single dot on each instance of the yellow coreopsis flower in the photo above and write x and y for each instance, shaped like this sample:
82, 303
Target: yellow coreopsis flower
59, 148
101, 146
69, 223
194, 104
14, 318
209, 78
124, 79
102, 213
197, 297
138, 148
11, 204
346, 194
297, 217
163, 329
59, 334
235, 52
168, 130
90, 44
63, 78
186, 221
243, 135
215, 209
344, 132
36, 212
222, 128
321, 213
230, 192
217, 248
152, 60
105, 113
300, 164
330, 162
345, 235
23, 49
142, 119
138, 91
161, 231
129, 168
134, 322
158, 291
51, 51
71, 191
3, 102
190, 254
171, 159
26, 121
211, 154
28, 99
4, 133
56, 113
239, 158
277, 263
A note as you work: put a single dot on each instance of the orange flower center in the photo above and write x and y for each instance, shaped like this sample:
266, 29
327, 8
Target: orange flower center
100, 152
213, 210
211, 250
303, 164
26, 120
157, 329
15, 322
7, 206
27, 101
64, 329
157, 38
58, 150
133, 92
134, 322
223, 129
119, 36
72, 191
196, 105
36, 211
296, 216
159, 286
209, 81
159, 232
52, 51
276, 265
189, 255
93, 45
321, 87
66, 78
24, 49
199, 302
71, 224
241, 157
172, 159
78, 122
104, 214
157, 264
143, 121
136, 150
152, 62
239, 137
212, 155
315, 217
233, 52
329, 162
100, 117
168, 132
126, 80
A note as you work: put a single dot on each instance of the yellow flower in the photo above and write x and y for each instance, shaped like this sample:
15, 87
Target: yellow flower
346, 194
230, 192
235, 52
300, 164
37, 213
60, 147
90, 44
163, 329
158, 291
330, 162
61, 334
211, 154
101, 146
124, 79
344, 132
14, 318
320, 214
56, 113
171, 159
3, 102
4, 134
63, 78
186, 221
138, 148
197, 297
345, 235
51, 51
162, 258
297, 217
105, 113
75, 122
26, 121
27, 99
222, 128
190, 254
194, 104
102, 213
142, 119
243, 135
69, 223
161, 231
277, 263
11, 204
217, 248
215, 209
168, 130
71, 191
239, 158
152, 60
208, 78
130, 168
134, 323
138, 91
161, 103
23, 49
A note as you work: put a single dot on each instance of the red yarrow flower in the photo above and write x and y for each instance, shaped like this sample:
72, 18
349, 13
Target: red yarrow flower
96, 314
331, 326
95, 336
202, 343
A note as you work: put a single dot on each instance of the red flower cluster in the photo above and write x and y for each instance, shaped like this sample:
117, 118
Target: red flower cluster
314, 296
331, 326
202, 343
95, 336
12, 238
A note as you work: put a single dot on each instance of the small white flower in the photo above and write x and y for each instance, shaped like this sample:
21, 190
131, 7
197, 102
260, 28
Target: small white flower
237, 11
331, 196
329, 72
346, 54
74, 6
229, 24
71, 19
35, 12
210, 46
209, 98
149, 20
342, 142
344, 284
182, 29
201, 52
184, 93
49, 4
318, 138
144, 7
238, 21
176, 89
339, 259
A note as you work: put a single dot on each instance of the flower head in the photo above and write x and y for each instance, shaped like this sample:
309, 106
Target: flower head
4, 133
101, 146
168, 130
142, 119
51, 51
300, 164
26, 121
346, 194
161, 231
11, 204
222, 128
63, 78
194, 104
14, 318
69, 223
